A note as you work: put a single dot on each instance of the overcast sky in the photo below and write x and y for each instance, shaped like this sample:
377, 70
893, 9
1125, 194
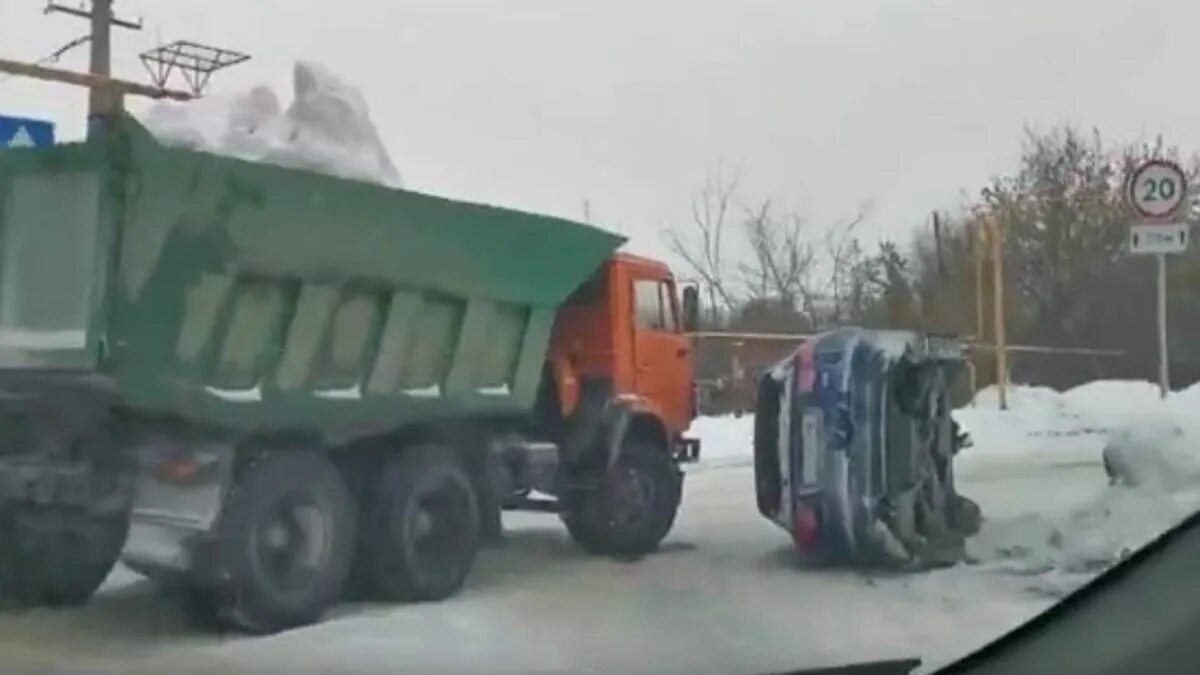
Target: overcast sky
542, 104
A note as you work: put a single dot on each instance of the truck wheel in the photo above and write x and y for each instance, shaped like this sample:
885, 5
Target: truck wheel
287, 541
423, 527
57, 557
633, 508
584, 529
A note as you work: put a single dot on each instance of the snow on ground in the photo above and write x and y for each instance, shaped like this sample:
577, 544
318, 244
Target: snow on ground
326, 128
1063, 543
726, 594
725, 440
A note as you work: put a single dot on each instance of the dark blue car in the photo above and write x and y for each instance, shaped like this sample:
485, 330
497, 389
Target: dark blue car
854, 447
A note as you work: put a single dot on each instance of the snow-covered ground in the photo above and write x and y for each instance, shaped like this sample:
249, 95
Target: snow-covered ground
1045, 530
726, 594
725, 440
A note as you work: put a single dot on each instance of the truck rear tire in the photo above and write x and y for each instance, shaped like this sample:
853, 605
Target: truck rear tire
56, 557
423, 527
286, 544
633, 508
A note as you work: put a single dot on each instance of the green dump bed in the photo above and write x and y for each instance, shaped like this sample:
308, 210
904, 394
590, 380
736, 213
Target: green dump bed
256, 296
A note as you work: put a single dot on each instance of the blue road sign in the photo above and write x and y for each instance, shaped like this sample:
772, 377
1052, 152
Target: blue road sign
17, 132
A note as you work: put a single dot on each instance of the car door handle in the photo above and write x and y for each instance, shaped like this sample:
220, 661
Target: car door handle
683, 351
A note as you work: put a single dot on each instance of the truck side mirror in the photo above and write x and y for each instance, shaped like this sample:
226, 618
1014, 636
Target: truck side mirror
691, 309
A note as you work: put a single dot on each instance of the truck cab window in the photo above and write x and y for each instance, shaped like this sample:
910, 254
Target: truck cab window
653, 308
670, 321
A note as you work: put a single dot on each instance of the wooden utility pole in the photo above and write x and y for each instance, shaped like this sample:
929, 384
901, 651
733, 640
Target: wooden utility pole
937, 239
997, 242
102, 101
979, 233
977, 253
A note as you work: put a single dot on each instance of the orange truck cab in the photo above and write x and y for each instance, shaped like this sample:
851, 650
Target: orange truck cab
617, 398
623, 332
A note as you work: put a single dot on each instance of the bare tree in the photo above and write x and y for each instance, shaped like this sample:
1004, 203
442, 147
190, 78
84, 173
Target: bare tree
783, 259
702, 252
844, 253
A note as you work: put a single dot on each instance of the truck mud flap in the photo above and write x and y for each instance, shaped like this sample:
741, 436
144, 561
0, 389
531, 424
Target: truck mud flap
177, 503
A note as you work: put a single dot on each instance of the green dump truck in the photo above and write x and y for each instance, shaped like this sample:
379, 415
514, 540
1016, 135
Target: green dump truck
265, 387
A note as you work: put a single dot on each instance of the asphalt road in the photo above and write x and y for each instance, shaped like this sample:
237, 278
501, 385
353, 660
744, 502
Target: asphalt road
725, 595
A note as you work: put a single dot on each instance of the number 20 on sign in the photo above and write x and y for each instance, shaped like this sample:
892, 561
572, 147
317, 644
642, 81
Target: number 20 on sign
1156, 189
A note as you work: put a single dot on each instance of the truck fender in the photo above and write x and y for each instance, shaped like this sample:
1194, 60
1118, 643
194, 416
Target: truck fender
600, 436
620, 413
632, 415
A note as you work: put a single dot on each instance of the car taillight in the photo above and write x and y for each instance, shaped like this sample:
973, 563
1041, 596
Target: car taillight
805, 528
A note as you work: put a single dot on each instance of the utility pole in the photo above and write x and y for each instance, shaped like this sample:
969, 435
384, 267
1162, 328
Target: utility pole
102, 101
978, 235
998, 310
100, 61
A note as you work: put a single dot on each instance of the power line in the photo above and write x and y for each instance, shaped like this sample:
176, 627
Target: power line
57, 54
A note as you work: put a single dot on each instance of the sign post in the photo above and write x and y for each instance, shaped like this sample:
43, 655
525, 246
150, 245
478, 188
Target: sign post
1155, 191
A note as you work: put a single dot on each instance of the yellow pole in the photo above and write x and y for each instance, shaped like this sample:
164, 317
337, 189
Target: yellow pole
971, 379
977, 242
998, 311
978, 234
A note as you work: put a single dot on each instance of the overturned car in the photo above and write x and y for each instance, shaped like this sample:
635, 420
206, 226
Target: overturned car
854, 447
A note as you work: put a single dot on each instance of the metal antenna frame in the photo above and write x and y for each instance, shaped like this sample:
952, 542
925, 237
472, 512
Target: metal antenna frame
197, 63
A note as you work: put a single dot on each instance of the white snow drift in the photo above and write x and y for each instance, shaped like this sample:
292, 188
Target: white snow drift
326, 128
1153, 450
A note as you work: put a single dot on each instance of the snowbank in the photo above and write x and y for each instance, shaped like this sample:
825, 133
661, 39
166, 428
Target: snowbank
725, 440
1050, 428
1067, 549
327, 127
1150, 446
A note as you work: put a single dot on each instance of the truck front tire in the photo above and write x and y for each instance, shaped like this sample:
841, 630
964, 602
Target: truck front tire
632, 508
423, 527
286, 544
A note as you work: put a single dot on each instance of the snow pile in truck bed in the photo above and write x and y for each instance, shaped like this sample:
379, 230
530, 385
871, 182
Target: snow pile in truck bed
326, 128
1154, 442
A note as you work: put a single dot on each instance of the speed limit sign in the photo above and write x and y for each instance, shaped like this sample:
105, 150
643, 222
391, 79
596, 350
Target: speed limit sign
1156, 189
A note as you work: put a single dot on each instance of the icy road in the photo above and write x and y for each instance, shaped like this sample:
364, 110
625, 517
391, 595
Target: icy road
725, 595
